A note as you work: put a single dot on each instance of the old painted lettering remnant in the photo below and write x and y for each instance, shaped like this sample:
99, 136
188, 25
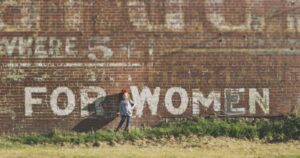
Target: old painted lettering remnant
63, 63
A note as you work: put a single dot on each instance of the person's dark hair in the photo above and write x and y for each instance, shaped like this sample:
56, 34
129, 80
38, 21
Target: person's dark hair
124, 90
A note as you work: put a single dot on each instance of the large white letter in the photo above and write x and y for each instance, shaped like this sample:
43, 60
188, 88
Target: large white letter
232, 96
254, 20
27, 12
54, 46
9, 45
97, 45
70, 105
25, 45
174, 15
293, 16
29, 101
70, 44
213, 98
145, 96
86, 100
263, 102
184, 101
40, 46
73, 14
174, 19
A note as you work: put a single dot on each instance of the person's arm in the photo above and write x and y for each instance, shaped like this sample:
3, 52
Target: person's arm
132, 103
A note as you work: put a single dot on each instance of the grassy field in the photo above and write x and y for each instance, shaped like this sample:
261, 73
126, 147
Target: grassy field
212, 137
169, 148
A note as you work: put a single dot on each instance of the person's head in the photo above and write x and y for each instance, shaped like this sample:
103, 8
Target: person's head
126, 96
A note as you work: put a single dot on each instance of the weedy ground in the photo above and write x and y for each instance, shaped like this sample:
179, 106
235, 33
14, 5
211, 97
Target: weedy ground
210, 137
183, 147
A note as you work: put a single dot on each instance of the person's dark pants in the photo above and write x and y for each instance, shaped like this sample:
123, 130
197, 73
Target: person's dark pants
128, 121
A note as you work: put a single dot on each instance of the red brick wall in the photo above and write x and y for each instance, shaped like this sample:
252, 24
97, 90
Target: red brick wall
197, 58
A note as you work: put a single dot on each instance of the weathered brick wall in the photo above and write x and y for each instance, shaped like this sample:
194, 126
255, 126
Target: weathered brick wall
179, 58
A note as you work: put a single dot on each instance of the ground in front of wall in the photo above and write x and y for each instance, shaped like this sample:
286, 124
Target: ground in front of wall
173, 148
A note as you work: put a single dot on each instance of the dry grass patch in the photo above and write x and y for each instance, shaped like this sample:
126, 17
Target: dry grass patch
185, 147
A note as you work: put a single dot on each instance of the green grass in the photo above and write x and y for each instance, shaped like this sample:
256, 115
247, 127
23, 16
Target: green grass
200, 147
276, 129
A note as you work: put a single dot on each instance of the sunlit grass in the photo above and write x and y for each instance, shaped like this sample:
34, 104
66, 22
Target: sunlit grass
203, 147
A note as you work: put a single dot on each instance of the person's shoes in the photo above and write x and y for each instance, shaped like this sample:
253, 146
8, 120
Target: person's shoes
126, 130
116, 130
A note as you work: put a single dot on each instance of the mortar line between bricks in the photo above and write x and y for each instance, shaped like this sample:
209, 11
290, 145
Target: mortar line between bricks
262, 51
17, 65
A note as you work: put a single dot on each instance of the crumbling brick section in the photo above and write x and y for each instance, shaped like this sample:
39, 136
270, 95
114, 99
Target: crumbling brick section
65, 62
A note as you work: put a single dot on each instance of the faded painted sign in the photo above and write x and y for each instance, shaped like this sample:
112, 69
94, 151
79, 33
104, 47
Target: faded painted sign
254, 21
146, 97
37, 46
140, 14
174, 17
70, 58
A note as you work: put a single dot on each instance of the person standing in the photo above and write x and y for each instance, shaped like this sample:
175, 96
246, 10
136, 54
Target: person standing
126, 106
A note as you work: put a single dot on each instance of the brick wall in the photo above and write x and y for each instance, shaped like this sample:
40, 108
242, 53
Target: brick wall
64, 62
